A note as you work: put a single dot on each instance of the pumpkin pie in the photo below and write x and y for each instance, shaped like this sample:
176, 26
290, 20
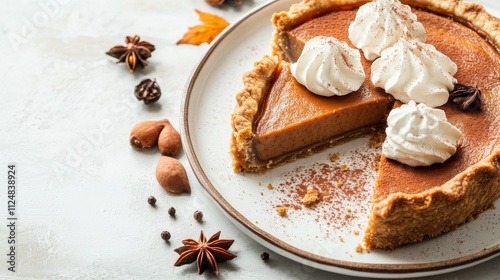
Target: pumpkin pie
277, 120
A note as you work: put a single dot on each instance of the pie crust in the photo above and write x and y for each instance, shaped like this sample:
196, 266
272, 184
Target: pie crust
256, 83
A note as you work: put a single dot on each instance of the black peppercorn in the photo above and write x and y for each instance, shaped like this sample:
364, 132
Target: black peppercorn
171, 211
264, 256
165, 235
152, 200
148, 90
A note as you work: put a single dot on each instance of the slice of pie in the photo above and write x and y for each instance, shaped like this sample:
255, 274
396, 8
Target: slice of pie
277, 120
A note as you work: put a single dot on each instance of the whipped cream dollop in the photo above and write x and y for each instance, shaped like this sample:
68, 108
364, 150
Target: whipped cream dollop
411, 70
329, 67
379, 25
418, 135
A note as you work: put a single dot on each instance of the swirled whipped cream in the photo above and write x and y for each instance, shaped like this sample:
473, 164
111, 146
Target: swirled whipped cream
379, 25
411, 70
418, 135
329, 67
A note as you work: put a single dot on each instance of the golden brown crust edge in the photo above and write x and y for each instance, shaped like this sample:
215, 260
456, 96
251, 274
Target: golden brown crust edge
256, 83
472, 13
404, 218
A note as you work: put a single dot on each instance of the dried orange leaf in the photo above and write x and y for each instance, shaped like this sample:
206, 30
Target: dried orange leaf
206, 32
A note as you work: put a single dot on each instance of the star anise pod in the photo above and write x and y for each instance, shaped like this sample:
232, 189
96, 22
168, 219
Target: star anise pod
467, 98
134, 53
205, 252
147, 90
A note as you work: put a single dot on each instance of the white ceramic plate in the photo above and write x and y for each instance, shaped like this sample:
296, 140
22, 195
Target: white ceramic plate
326, 235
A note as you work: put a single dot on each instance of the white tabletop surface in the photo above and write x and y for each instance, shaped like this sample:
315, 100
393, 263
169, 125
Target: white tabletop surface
67, 110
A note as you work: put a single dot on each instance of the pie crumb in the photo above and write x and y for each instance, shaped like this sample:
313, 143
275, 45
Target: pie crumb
377, 138
334, 157
310, 197
376, 159
360, 248
281, 210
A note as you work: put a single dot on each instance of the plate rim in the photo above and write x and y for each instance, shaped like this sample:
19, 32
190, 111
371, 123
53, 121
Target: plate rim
268, 239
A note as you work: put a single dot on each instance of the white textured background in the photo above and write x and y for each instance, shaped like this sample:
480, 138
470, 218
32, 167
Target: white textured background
67, 110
